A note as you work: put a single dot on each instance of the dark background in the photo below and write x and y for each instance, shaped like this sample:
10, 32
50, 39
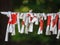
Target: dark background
44, 6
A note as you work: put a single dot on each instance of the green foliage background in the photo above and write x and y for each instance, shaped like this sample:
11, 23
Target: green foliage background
46, 6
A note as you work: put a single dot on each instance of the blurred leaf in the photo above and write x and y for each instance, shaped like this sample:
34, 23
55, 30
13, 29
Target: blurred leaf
23, 9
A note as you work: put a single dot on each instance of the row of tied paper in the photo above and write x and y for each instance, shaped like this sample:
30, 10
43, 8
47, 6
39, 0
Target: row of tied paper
53, 19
